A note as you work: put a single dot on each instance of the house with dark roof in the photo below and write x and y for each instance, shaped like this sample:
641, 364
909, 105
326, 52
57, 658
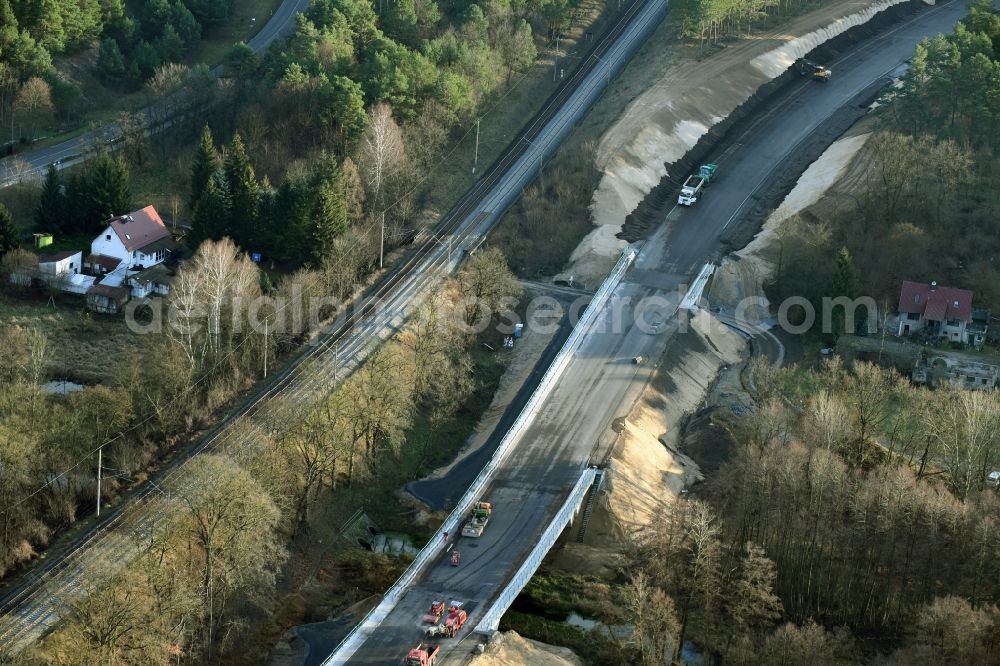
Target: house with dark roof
943, 313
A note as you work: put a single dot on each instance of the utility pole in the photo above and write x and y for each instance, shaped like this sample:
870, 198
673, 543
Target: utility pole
475, 160
100, 452
265, 347
381, 243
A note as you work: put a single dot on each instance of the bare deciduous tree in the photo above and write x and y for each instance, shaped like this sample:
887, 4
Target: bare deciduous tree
209, 301
382, 149
230, 525
652, 614
34, 102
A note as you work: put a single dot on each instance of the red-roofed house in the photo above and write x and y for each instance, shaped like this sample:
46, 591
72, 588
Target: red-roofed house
137, 240
943, 312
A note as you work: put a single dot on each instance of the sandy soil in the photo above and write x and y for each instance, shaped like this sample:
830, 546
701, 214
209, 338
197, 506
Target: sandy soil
741, 276
647, 469
510, 649
665, 121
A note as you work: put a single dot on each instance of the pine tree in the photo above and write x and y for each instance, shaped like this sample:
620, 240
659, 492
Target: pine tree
211, 215
206, 162
243, 193
843, 283
8, 233
50, 214
329, 219
108, 191
110, 61
7, 17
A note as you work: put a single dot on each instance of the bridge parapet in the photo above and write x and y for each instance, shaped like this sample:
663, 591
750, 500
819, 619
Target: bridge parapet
491, 619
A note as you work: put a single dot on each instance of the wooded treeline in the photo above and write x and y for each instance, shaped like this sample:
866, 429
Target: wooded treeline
921, 199
711, 21
852, 501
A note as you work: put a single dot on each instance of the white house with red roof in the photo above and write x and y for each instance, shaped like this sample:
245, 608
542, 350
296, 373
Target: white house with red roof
942, 312
138, 240
126, 257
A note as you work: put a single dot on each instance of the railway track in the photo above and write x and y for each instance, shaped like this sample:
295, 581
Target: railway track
30, 608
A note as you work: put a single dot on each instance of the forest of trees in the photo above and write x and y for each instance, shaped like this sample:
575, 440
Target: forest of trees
337, 129
34, 32
134, 46
851, 521
925, 205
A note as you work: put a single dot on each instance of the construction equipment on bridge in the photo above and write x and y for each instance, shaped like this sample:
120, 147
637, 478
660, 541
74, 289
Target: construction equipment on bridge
433, 616
696, 183
452, 624
481, 513
818, 72
422, 655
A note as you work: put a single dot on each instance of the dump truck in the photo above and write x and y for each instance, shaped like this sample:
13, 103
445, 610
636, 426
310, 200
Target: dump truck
433, 615
422, 655
481, 513
452, 623
696, 183
813, 70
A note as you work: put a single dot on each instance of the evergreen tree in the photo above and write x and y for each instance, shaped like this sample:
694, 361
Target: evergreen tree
843, 282
110, 62
50, 214
347, 110
329, 219
48, 16
8, 233
185, 23
206, 162
210, 215
108, 191
243, 193
289, 224
170, 46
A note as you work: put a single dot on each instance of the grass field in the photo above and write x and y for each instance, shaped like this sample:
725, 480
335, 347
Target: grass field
81, 346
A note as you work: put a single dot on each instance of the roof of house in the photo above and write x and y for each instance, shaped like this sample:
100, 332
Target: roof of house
157, 273
934, 302
78, 283
166, 243
56, 257
104, 261
140, 228
117, 294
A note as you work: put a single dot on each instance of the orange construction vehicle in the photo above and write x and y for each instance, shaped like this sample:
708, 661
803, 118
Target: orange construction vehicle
452, 623
422, 655
433, 615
